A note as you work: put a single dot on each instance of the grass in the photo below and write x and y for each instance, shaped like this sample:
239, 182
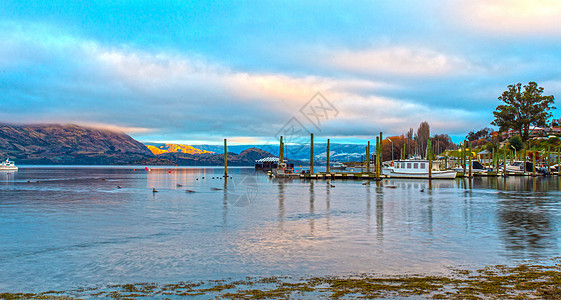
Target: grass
525, 281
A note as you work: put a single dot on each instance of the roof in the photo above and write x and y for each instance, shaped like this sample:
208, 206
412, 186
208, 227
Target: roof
268, 159
484, 152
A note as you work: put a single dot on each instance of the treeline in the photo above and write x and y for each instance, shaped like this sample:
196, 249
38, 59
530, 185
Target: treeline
414, 143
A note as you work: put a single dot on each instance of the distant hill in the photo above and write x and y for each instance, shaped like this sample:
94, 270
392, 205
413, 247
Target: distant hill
159, 148
68, 144
245, 158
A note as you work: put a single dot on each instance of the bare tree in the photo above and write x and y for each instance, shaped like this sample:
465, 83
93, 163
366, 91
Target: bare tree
409, 140
423, 134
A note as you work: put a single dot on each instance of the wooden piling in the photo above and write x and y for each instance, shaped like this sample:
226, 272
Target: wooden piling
381, 154
311, 153
368, 158
534, 161
524, 168
429, 154
377, 157
327, 166
470, 162
225, 158
504, 161
281, 151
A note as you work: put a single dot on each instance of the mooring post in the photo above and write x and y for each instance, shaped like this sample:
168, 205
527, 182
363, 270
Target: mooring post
464, 156
311, 153
558, 160
368, 158
470, 162
377, 157
381, 153
225, 158
548, 157
281, 151
327, 166
534, 161
429, 154
524, 153
504, 161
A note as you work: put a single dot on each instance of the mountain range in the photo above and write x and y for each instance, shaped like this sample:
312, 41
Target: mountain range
79, 145
73, 144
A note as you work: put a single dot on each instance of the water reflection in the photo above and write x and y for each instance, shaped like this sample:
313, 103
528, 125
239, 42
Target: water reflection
76, 226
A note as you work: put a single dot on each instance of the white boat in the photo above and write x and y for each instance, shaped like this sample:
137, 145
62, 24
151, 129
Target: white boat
337, 166
416, 168
8, 165
516, 167
476, 168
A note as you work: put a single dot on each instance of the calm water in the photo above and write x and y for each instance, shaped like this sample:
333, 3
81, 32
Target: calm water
70, 227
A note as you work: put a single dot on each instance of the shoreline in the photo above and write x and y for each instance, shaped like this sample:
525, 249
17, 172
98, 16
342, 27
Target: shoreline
521, 281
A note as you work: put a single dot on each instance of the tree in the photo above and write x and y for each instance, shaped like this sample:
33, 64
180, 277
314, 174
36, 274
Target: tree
516, 142
484, 133
423, 134
442, 142
523, 109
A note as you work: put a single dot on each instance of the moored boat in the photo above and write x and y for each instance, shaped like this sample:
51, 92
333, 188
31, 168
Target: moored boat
416, 168
337, 166
8, 165
476, 168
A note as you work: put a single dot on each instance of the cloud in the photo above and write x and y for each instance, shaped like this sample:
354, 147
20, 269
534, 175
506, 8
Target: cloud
170, 95
407, 61
513, 17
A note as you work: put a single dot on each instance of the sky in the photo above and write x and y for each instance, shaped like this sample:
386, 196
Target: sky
197, 72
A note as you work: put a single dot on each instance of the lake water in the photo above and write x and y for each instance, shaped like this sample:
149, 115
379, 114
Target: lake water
66, 227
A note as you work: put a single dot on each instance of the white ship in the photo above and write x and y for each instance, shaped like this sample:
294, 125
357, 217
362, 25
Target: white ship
415, 168
8, 166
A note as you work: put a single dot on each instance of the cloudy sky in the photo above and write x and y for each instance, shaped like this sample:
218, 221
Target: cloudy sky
197, 72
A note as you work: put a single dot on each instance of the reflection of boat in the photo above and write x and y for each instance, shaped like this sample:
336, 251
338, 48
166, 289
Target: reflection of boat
8, 166
415, 168
476, 168
337, 166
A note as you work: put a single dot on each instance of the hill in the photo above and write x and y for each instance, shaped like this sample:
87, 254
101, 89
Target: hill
245, 158
158, 149
68, 144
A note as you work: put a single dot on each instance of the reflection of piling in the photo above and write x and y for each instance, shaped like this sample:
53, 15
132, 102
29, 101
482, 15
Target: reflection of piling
327, 166
225, 158
311, 153
368, 158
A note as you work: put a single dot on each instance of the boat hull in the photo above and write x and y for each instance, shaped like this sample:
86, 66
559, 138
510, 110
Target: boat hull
8, 168
421, 175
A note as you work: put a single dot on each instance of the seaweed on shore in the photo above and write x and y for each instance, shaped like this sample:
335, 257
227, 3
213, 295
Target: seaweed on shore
525, 281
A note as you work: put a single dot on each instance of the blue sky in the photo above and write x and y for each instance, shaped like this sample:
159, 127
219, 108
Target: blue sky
198, 72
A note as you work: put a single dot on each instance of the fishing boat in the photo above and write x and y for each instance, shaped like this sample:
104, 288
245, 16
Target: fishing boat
415, 168
8, 165
284, 171
337, 166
